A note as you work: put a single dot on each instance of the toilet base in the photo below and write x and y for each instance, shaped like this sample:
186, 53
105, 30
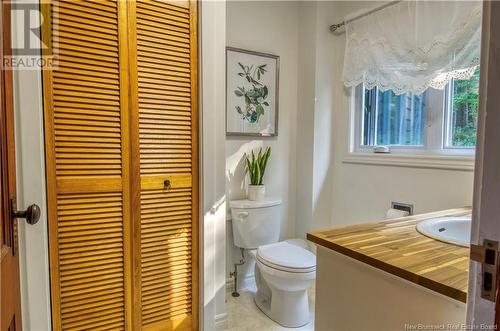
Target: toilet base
289, 309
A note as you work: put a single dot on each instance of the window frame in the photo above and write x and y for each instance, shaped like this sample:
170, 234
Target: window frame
436, 129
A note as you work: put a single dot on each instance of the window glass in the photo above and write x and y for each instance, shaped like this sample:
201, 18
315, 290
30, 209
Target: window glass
463, 120
390, 119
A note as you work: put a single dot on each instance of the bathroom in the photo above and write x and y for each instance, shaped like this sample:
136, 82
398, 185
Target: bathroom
316, 170
249, 165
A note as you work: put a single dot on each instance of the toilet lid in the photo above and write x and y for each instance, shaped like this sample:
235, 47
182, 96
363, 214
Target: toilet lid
283, 254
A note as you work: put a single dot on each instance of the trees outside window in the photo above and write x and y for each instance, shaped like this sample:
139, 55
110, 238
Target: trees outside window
464, 115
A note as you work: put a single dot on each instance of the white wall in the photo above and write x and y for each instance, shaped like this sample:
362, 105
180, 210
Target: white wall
345, 193
306, 100
213, 249
269, 27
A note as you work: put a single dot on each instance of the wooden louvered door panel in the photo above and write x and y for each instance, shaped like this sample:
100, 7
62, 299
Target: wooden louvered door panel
87, 146
165, 105
121, 148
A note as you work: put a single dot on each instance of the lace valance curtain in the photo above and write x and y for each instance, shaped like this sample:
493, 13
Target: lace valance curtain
413, 45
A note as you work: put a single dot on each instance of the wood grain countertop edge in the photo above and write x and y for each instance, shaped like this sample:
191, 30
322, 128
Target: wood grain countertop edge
443, 289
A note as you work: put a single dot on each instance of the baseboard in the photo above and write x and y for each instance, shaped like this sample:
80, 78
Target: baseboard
221, 322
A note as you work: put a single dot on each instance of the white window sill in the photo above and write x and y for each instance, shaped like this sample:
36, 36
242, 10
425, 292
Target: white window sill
464, 163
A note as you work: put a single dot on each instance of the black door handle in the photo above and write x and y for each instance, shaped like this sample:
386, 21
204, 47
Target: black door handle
32, 214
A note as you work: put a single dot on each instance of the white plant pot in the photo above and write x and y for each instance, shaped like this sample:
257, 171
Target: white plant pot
256, 192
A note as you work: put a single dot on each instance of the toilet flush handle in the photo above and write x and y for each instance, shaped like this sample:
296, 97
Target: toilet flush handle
242, 215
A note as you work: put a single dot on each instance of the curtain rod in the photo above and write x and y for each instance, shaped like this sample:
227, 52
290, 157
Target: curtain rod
335, 27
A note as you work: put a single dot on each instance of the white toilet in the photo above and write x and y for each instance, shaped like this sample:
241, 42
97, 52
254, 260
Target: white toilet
284, 271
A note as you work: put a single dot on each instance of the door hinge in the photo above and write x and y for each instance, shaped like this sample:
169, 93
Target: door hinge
487, 255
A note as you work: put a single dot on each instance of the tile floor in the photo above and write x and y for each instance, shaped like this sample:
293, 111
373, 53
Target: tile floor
243, 314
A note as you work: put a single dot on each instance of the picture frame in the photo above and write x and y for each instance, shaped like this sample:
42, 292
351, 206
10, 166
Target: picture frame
252, 93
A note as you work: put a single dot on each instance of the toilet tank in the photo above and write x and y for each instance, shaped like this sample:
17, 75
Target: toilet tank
255, 223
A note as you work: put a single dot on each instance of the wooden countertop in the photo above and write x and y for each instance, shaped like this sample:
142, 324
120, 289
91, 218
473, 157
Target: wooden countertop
396, 246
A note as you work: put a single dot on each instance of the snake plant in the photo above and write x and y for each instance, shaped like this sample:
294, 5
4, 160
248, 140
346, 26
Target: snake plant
256, 165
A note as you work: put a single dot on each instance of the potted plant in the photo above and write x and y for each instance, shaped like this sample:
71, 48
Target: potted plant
256, 167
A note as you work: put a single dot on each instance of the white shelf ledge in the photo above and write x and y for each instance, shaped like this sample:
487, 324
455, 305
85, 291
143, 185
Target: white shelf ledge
445, 162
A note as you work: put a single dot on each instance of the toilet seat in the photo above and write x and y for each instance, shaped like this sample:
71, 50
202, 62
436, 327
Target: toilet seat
287, 257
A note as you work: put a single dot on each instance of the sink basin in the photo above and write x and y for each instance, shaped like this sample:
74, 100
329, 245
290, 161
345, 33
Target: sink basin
454, 230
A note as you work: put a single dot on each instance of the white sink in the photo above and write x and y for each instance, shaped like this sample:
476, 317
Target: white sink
453, 229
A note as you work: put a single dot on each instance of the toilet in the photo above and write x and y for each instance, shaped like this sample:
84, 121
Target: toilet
284, 270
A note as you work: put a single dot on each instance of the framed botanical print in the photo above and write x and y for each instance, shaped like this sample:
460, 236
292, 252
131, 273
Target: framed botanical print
251, 93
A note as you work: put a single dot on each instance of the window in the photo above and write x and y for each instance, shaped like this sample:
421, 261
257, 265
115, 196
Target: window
438, 122
461, 121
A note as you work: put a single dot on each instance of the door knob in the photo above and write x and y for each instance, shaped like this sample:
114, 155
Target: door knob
31, 214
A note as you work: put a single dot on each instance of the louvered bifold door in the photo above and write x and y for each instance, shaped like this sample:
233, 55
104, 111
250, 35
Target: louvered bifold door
87, 144
165, 108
